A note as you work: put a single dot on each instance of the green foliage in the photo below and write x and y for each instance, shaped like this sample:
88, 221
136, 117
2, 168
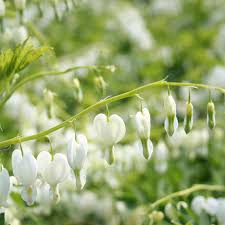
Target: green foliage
13, 61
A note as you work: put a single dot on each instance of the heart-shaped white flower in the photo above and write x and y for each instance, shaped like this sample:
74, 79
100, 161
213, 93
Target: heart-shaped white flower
143, 123
4, 187
53, 170
24, 167
77, 152
109, 130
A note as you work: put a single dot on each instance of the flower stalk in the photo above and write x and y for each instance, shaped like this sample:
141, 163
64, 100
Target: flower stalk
103, 102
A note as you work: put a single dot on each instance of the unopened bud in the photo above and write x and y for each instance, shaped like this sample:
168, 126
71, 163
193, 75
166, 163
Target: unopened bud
171, 122
182, 205
49, 99
188, 120
157, 216
100, 84
211, 115
77, 90
111, 68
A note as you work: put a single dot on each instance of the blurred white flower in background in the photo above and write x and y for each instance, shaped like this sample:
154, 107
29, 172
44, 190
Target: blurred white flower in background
161, 155
135, 27
168, 7
216, 76
211, 206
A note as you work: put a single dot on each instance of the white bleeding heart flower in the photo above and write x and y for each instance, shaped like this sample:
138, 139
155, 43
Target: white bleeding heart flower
211, 206
25, 171
171, 122
76, 156
77, 152
143, 123
2, 8
24, 167
143, 126
110, 130
4, 187
53, 169
197, 204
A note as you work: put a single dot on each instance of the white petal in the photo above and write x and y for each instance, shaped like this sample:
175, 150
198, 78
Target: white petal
118, 127
29, 195
57, 171
16, 158
70, 153
27, 170
4, 186
99, 124
43, 160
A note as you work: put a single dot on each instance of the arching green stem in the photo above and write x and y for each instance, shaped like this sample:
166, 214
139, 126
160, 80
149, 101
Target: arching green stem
44, 74
103, 102
186, 192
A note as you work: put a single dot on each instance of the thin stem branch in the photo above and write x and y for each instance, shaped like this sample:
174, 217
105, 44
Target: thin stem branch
103, 102
186, 192
40, 75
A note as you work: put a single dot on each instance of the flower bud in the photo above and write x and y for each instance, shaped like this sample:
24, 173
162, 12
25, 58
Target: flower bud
49, 99
211, 115
171, 122
143, 123
100, 84
77, 90
2, 8
170, 211
20, 4
188, 120
157, 216
111, 68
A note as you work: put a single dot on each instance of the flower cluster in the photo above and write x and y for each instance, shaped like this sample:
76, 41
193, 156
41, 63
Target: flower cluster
53, 169
211, 206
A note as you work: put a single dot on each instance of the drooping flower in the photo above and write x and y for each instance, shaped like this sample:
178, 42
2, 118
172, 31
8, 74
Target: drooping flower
25, 171
4, 187
171, 122
76, 156
197, 204
143, 127
53, 169
211, 115
110, 130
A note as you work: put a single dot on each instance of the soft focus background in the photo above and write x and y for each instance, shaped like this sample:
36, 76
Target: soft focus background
146, 40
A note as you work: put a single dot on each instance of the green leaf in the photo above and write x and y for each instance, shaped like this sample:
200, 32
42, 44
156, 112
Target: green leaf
2, 218
14, 61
